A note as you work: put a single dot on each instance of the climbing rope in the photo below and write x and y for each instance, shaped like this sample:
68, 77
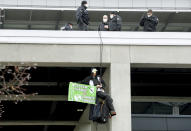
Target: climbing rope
101, 52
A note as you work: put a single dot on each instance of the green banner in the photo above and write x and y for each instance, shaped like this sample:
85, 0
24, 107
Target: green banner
82, 93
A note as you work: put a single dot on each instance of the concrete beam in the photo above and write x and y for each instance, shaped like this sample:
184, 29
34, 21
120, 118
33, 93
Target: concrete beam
39, 123
50, 37
160, 84
34, 98
53, 64
159, 65
171, 56
43, 83
160, 99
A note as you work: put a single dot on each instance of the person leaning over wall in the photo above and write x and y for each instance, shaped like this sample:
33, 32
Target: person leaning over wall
104, 26
149, 21
115, 21
67, 27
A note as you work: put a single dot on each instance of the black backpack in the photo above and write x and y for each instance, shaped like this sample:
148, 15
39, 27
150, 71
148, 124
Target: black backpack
101, 113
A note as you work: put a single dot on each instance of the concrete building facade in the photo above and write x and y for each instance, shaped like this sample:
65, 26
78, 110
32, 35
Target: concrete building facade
30, 35
121, 52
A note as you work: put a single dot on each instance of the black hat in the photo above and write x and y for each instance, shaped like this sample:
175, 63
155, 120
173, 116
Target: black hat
84, 2
114, 12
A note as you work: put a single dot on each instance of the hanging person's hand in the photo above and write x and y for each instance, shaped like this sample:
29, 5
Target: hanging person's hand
98, 86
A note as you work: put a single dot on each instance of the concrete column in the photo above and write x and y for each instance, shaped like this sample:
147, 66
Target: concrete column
175, 110
106, 78
120, 88
84, 123
83, 127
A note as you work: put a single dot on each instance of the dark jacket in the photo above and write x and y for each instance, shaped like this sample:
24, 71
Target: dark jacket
96, 80
101, 26
67, 27
82, 15
115, 23
149, 23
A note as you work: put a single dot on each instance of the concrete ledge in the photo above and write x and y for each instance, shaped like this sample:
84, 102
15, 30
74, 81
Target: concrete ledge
39, 123
93, 37
35, 98
160, 99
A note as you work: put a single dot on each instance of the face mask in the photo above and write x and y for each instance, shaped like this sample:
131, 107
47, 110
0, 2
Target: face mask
111, 16
104, 20
149, 15
86, 5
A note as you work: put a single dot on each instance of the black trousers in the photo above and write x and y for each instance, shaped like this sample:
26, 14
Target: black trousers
107, 98
108, 102
82, 26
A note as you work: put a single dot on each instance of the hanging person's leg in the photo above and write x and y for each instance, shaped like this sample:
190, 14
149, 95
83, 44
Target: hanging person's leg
91, 112
109, 101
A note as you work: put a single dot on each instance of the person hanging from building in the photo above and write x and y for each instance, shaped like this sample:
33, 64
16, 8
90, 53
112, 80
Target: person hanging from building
115, 21
95, 80
67, 27
82, 16
149, 21
104, 26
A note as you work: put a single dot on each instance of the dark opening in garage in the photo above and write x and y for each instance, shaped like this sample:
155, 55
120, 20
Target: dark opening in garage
47, 81
160, 99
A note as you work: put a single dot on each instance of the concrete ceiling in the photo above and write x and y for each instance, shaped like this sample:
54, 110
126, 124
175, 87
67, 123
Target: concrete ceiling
52, 20
50, 114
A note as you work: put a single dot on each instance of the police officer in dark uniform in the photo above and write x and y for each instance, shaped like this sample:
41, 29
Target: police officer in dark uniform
104, 26
149, 21
82, 16
115, 22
